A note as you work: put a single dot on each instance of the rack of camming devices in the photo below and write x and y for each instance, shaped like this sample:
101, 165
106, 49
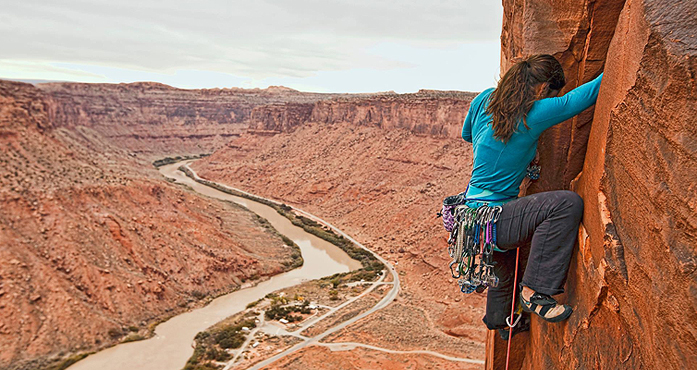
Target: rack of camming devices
471, 245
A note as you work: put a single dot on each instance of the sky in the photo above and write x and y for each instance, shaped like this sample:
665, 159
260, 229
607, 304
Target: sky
309, 45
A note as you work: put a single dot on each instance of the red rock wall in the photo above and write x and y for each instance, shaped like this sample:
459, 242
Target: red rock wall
632, 282
279, 117
155, 120
435, 113
577, 33
90, 243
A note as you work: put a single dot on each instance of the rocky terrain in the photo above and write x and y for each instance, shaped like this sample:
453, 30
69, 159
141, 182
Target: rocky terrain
383, 186
380, 178
427, 112
95, 248
154, 120
377, 166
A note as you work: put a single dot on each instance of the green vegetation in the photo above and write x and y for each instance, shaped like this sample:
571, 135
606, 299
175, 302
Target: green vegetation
211, 344
278, 311
369, 273
255, 303
133, 337
170, 160
200, 354
65, 363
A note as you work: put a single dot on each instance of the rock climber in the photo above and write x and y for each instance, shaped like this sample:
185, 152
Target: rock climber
504, 124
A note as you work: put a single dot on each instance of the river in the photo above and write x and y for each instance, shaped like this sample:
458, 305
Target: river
171, 346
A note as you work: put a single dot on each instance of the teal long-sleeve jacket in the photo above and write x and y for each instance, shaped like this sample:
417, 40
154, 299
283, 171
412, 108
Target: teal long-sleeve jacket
499, 167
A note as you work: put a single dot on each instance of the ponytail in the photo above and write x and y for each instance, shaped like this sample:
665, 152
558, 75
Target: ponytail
515, 93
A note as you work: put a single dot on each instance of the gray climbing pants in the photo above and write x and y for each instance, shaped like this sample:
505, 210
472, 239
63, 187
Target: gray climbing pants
547, 223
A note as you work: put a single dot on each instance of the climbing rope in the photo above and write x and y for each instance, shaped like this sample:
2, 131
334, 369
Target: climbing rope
511, 324
471, 246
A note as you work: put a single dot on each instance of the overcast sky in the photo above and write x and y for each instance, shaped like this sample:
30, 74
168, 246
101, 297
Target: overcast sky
310, 45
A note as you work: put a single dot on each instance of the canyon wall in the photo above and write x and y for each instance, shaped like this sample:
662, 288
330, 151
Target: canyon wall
279, 117
632, 280
82, 199
154, 120
94, 248
435, 113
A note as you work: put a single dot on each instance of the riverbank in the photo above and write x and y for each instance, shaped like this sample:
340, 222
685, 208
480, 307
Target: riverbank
171, 346
384, 187
371, 265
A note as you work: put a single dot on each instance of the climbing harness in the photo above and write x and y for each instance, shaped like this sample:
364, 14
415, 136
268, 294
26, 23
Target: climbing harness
472, 244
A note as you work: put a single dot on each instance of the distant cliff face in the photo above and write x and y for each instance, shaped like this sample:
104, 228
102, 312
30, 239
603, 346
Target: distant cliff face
434, 113
155, 120
93, 248
279, 117
633, 281
152, 120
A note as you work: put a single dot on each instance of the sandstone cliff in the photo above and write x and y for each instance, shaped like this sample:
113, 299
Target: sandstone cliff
279, 117
155, 120
578, 34
92, 247
436, 113
632, 281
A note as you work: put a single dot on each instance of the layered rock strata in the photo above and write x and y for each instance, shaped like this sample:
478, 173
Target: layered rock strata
434, 113
153, 120
274, 118
92, 248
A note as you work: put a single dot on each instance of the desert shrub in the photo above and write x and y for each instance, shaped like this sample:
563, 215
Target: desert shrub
229, 337
198, 294
217, 355
253, 304
278, 311
115, 333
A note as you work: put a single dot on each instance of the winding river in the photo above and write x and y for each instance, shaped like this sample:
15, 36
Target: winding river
171, 346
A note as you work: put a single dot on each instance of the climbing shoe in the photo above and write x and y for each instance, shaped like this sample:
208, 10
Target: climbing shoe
546, 307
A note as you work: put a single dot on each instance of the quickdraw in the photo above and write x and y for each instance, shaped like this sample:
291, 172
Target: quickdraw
471, 245
533, 171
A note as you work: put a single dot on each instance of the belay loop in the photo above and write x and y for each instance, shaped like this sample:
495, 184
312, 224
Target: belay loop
472, 243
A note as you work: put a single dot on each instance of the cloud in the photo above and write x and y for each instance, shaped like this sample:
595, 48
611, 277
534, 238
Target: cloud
256, 40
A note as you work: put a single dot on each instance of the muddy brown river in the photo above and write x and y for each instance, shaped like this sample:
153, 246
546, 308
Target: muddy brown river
171, 346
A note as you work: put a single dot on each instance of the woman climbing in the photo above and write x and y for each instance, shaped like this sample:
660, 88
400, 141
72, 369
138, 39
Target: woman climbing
503, 125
